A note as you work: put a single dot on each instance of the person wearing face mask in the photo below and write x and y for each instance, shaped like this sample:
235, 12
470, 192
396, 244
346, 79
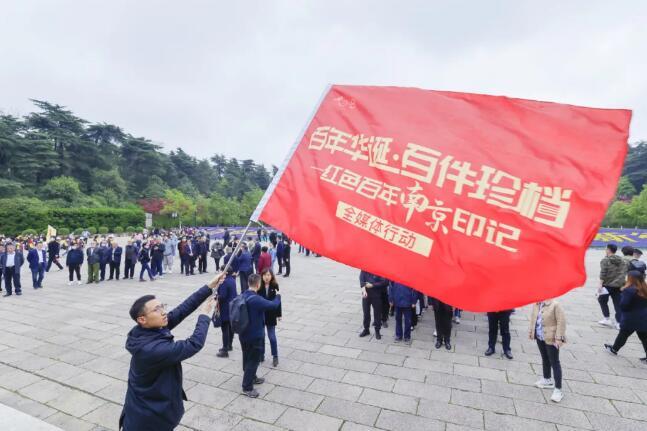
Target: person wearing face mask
93, 262
73, 261
131, 254
104, 258
144, 260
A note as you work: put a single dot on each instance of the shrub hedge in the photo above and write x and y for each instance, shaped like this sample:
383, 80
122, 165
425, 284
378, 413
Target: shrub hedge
14, 221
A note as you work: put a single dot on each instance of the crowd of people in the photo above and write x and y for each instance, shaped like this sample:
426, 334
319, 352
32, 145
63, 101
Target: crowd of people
154, 253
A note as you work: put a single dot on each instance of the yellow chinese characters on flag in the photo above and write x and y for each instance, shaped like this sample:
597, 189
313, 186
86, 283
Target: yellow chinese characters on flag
485, 202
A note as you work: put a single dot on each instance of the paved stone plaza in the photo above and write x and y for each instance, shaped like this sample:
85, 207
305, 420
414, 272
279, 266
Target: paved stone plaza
62, 359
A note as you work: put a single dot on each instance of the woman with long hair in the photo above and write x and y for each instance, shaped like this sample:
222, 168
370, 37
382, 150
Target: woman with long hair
269, 289
633, 316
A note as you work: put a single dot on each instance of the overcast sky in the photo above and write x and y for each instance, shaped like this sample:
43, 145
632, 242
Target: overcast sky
242, 77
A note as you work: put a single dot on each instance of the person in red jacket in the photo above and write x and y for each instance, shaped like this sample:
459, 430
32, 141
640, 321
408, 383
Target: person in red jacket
264, 261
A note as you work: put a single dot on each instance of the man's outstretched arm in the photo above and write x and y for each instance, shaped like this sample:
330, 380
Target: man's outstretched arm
179, 313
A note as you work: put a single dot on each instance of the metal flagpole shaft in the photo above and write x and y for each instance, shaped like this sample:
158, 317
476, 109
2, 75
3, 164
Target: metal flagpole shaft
240, 242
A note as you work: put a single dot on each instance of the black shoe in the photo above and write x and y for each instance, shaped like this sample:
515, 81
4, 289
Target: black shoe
229, 349
378, 336
508, 354
18, 293
275, 361
7, 294
222, 354
609, 349
489, 351
259, 381
364, 333
643, 360
439, 344
448, 345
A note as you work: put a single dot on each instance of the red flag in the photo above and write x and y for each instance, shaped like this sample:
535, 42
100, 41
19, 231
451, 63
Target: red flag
486, 203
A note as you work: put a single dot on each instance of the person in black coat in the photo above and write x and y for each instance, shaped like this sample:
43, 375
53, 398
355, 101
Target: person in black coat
443, 315
226, 292
115, 260
633, 303
130, 259
157, 258
273, 238
144, 260
154, 399
104, 259
269, 289
496, 320
53, 250
202, 249
256, 254
73, 261
286, 256
226, 237
373, 287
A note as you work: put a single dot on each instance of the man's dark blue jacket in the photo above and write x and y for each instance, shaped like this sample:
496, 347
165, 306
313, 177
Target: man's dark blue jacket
244, 262
226, 292
154, 396
104, 255
74, 257
115, 255
32, 258
256, 308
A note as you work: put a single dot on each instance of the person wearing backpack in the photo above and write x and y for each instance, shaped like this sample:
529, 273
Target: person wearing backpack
250, 306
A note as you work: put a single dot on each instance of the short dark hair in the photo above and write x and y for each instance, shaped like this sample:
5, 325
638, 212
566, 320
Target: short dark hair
139, 305
254, 280
264, 249
627, 250
638, 252
612, 248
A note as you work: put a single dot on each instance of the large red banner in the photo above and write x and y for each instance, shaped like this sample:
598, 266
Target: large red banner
484, 202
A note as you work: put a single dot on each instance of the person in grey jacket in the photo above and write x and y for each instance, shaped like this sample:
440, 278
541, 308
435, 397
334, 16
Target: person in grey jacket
613, 270
170, 245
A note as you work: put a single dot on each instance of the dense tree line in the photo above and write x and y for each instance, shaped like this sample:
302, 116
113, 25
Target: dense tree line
54, 158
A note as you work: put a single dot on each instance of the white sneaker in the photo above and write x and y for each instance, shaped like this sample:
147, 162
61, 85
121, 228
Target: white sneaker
169, 271
435, 333
557, 396
70, 283
457, 320
605, 322
545, 384
78, 282
617, 326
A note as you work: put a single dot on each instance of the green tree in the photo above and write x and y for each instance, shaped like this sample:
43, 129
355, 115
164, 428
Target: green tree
635, 167
625, 189
177, 202
63, 188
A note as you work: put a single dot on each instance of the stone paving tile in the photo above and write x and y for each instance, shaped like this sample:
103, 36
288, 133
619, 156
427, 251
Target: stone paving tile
456, 414
322, 372
297, 420
401, 373
290, 380
294, 398
395, 421
15, 379
603, 391
204, 418
631, 410
481, 401
428, 365
70, 423
106, 415
513, 391
76, 403
251, 425
389, 400
552, 413
25, 405
351, 426
355, 412
498, 422
210, 396
369, 380
360, 365
454, 381
340, 351
333, 389
44, 391
480, 373
422, 390
258, 409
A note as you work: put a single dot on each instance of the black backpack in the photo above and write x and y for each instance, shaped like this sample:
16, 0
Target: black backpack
238, 314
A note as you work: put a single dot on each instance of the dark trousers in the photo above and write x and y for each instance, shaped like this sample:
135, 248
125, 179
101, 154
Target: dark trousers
184, 264
102, 270
443, 316
202, 263
129, 269
252, 352
499, 319
374, 300
76, 268
37, 275
385, 305
286, 263
145, 268
279, 259
227, 335
614, 293
114, 270
550, 359
216, 261
189, 267
401, 312
621, 339
11, 279
244, 283
54, 259
157, 267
